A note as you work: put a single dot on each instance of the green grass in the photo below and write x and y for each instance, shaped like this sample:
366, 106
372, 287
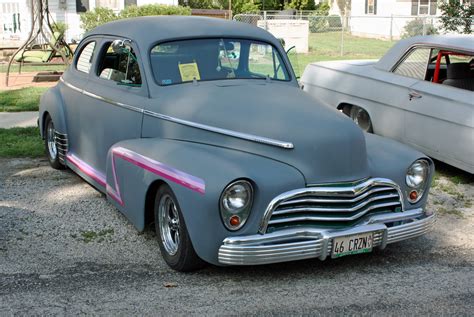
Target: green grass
327, 46
21, 142
89, 236
30, 68
24, 99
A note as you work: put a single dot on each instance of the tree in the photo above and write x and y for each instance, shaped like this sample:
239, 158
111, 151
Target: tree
198, 4
269, 4
301, 4
457, 17
344, 6
239, 6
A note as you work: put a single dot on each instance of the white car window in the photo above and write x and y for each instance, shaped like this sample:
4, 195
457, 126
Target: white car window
415, 64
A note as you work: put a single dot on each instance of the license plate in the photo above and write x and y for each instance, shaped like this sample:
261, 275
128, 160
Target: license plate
355, 244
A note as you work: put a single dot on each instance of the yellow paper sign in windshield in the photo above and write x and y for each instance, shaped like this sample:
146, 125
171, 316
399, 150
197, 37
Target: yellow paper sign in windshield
189, 71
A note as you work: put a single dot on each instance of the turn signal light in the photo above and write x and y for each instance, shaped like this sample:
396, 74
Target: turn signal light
234, 221
413, 195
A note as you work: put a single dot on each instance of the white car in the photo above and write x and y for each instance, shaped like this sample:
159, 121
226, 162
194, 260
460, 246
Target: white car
420, 93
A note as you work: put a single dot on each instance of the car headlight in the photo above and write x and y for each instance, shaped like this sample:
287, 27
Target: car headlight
235, 204
416, 178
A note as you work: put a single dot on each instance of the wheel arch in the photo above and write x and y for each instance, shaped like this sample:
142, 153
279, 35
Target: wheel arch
51, 103
150, 201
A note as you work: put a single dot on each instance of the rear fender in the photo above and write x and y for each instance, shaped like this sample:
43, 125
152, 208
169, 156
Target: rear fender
51, 103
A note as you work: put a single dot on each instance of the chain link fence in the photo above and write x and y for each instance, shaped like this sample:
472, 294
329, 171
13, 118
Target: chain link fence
354, 37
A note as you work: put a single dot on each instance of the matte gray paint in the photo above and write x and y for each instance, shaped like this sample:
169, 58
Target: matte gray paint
218, 167
328, 147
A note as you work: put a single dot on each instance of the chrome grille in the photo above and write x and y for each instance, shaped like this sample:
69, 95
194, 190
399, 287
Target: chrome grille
62, 145
335, 205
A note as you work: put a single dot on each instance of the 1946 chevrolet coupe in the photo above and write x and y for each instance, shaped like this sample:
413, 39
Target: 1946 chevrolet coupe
198, 126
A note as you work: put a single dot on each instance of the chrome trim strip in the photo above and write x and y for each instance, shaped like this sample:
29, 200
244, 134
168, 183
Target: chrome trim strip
316, 218
235, 134
304, 243
327, 190
61, 79
338, 210
319, 200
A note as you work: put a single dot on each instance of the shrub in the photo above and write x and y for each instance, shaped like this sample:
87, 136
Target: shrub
416, 27
96, 17
317, 23
153, 9
59, 27
318, 20
335, 22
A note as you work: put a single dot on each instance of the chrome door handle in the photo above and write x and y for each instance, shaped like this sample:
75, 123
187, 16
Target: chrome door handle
414, 95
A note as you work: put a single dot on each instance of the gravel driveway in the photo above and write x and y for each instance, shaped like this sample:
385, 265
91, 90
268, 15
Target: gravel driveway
65, 250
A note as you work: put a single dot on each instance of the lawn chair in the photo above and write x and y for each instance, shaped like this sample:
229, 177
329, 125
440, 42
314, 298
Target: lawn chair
42, 55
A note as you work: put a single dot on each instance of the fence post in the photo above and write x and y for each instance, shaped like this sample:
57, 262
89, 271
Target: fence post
424, 26
265, 19
342, 35
391, 27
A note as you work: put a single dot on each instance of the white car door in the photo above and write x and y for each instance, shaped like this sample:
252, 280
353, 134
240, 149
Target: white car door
439, 121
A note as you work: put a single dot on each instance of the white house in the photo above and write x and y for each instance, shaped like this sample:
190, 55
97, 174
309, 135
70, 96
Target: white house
15, 15
386, 18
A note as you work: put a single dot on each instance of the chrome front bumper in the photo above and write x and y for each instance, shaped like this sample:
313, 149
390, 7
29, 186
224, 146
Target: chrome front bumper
304, 243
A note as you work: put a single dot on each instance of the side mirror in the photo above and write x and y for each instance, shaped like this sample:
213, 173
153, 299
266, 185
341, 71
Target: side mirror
293, 57
117, 46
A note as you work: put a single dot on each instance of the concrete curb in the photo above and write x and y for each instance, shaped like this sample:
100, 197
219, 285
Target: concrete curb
18, 119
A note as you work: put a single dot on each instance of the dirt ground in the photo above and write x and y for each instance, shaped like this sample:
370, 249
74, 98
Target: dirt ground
64, 250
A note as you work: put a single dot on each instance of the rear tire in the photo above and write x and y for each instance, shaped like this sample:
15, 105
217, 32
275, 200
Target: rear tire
361, 118
172, 234
50, 144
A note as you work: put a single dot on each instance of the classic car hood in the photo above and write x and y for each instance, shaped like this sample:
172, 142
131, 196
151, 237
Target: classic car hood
328, 147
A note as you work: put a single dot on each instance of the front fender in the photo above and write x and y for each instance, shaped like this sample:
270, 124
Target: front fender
51, 103
197, 174
391, 159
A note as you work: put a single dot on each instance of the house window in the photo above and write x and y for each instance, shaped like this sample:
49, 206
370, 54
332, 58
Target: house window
370, 6
424, 7
82, 6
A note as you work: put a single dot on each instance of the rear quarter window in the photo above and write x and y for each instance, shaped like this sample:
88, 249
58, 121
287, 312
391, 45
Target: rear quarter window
84, 61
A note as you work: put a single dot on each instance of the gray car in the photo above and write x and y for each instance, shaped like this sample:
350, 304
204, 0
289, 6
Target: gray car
198, 126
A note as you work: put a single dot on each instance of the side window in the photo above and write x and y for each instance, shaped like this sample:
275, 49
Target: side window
264, 62
229, 55
415, 65
84, 61
119, 65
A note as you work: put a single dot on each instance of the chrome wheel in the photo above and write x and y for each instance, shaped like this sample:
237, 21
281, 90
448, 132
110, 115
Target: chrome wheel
169, 224
50, 137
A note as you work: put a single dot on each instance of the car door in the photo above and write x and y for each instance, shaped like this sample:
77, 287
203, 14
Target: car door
76, 80
416, 125
115, 94
440, 122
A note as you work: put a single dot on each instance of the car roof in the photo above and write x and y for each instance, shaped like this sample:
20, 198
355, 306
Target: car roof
454, 42
151, 29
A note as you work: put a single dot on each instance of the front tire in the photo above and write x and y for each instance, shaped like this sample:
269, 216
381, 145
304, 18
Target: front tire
361, 118
50, 144
173, 238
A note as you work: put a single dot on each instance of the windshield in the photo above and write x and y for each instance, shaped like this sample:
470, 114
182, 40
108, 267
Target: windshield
216, 59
